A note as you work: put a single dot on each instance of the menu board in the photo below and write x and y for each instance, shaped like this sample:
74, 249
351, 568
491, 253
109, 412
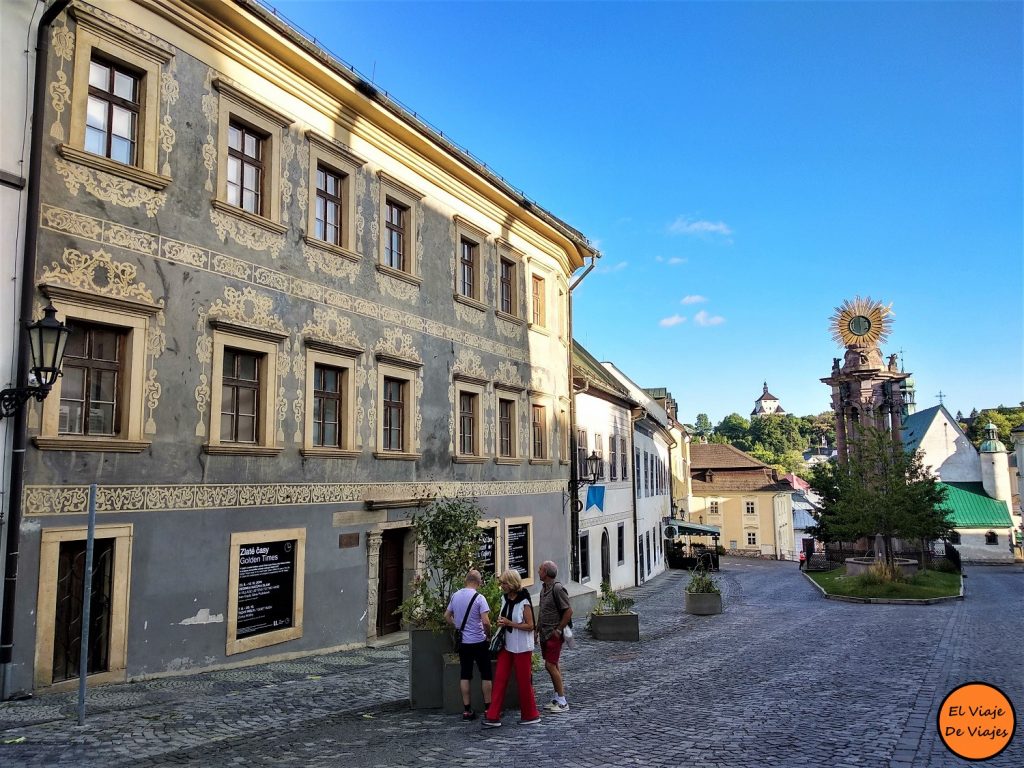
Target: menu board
485, 556
266, 587
519, 549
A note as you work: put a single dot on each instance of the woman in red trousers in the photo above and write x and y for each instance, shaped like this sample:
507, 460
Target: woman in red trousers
516, 621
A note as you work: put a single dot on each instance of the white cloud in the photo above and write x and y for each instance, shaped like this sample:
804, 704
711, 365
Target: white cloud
668, 322
693, 299
684, 225
703, 318
607, 269
677, 260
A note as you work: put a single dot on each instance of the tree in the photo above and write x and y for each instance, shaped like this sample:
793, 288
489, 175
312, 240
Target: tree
702, 427
777, 433
1005, 419
734, 428
879, 489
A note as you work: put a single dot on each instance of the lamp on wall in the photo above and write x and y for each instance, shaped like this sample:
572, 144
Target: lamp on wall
46, 339
593, 469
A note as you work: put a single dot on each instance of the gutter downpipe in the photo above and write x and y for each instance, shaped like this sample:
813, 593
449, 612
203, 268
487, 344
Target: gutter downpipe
20, 428
574, 496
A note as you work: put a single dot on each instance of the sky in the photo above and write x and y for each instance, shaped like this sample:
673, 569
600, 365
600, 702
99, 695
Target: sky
744, 168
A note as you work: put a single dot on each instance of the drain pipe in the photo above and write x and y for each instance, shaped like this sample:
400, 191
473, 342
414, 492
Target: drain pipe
20, 427
574, 497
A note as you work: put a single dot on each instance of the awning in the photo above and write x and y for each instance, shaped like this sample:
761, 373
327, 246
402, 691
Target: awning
695, 529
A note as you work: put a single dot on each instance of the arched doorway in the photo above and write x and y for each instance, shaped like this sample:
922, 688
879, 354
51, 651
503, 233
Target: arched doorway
606, 558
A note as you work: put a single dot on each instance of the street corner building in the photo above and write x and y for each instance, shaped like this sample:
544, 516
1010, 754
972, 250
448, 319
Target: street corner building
298, 314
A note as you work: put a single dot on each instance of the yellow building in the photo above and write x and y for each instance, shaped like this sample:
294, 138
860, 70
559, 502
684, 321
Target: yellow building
741, 496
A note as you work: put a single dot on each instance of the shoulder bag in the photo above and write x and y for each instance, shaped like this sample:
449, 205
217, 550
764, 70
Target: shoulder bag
458, 632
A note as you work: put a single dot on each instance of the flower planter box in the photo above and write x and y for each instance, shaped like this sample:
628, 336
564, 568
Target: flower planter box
615, 626
426, 661
703, 603
453, 693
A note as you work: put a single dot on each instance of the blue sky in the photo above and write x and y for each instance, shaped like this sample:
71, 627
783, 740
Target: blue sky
744, 168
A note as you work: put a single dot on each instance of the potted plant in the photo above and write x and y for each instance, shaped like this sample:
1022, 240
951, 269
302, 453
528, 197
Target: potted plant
703, 597
612, 618
448, 532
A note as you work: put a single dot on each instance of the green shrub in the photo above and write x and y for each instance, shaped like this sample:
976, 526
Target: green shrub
610, 602
702, 581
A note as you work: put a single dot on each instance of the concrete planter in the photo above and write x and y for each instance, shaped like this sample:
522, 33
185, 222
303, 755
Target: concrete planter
615, 626
703, 603
453, 694
426, 662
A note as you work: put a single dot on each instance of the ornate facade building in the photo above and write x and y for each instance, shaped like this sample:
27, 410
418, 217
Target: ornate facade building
298, 314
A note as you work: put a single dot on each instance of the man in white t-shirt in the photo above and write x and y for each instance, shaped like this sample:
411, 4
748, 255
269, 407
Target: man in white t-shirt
468, 609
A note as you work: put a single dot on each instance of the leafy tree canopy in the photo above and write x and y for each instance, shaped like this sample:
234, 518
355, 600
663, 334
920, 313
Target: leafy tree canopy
879, 489
1005, 419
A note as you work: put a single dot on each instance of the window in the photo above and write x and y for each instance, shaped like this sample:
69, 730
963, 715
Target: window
564, 455
751, 539
467, 422
599, 450
620, 543
394, 414
398, 235
329, 427
613, 474
249, 159
506, 428
649, 561
647, 474
638, 476
240, 395
245, 168
90, 400
328, 422
398, 409
243, 407
539, 316
115, 107
328, 206
713, 507
623, 453
585, 556
581, 453
469, 398
991, 538
507, 287
99, 403
469, 255
538, 431
396, 222
749, 507
111, 126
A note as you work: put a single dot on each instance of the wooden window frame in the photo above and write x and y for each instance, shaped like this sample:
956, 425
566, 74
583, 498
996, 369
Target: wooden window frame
406, 373
111, 100
341, 161
545, 442
345, 360
398, 192
245, 161
90, 364
266, 345
538, 302
238, 384
476, 390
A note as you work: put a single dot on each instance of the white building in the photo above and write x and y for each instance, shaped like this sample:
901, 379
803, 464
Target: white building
604, 409
652, 443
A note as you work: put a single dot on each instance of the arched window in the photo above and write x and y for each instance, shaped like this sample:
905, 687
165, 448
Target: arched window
991, 538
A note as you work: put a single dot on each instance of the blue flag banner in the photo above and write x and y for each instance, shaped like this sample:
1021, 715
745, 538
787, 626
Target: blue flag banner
595, 497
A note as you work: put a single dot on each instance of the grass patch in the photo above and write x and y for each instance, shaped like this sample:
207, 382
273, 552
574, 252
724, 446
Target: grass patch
926, 584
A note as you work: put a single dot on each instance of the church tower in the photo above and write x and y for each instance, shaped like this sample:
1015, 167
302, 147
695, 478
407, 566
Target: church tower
866, 390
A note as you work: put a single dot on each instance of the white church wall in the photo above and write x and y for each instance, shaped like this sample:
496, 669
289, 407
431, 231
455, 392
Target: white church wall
948, 452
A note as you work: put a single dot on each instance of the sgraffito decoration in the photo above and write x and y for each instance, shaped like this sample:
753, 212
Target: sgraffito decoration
399, 289
109, 188
169, 92
246, 234
40, 500
320, 260
211, 111
60, 92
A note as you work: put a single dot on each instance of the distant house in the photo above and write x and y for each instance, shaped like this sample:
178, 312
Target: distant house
745, 498
766, 404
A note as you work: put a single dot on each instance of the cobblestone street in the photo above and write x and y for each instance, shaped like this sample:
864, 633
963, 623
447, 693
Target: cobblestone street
783, 677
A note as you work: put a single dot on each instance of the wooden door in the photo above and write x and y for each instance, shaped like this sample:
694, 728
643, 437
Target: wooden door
389, 588
68, 615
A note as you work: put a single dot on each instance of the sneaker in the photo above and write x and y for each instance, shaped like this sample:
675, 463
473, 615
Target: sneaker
488, 723
469, 715
534, 721
554, 706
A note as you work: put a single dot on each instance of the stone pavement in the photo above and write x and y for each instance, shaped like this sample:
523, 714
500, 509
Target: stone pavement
782, 678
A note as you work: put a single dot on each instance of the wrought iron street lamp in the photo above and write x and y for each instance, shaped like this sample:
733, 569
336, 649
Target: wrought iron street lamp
46, 339
593, 470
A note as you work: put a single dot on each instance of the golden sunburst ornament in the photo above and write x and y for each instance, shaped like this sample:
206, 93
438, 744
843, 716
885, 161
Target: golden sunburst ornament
861, 322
